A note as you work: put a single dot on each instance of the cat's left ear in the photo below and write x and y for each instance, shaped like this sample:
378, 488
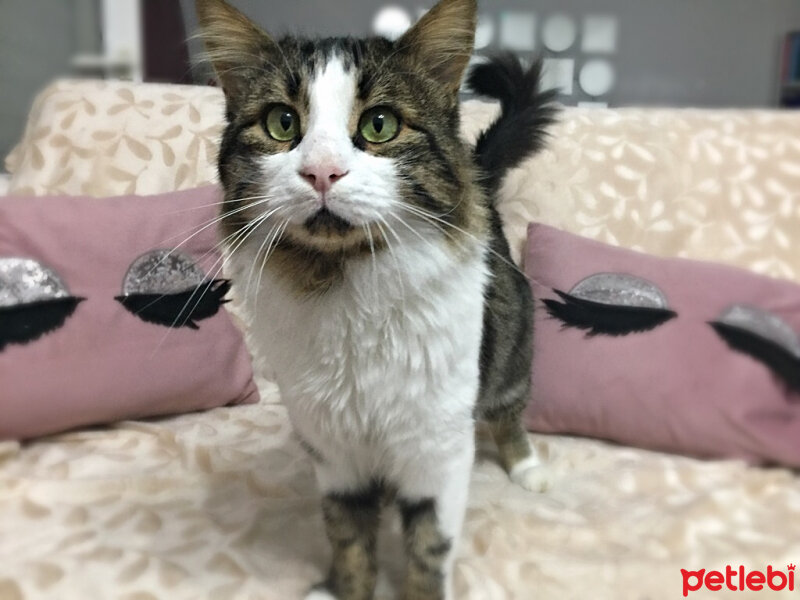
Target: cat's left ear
443, 39
234, 44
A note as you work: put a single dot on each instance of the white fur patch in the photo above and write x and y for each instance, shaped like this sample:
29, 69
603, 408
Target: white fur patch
382, 370
327, 136
531, 475
365, 194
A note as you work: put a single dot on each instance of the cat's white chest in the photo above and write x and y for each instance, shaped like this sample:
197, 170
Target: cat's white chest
388, 358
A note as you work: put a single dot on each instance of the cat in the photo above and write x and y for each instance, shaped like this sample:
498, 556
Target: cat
375, 271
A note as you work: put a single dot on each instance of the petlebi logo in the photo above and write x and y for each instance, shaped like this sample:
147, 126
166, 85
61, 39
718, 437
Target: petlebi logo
739, 580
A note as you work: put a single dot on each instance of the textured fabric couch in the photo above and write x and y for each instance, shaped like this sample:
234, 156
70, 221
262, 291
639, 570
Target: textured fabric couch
222, 505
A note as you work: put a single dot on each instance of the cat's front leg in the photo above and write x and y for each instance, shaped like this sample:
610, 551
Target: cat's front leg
432, 499
351, 512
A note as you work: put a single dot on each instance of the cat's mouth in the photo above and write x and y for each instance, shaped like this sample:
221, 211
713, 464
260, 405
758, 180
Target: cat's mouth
325, 231
324, 222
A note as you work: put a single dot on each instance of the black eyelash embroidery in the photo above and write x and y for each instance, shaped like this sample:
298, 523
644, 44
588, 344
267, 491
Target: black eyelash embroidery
597, 318
764, 337
780, 361
34, 301
26, 323
183, 309
167, 287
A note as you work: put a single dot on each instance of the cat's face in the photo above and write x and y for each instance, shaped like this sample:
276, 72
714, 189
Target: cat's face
332, 144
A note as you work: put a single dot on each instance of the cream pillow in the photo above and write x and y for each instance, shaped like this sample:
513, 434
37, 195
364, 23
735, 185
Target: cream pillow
102, 138
716, 185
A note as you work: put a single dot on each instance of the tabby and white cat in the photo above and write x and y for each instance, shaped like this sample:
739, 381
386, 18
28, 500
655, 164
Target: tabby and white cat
379, 282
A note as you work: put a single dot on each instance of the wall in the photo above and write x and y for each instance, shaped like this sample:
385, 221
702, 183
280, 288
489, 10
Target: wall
37, 40
675, 52
670, 52
702, 52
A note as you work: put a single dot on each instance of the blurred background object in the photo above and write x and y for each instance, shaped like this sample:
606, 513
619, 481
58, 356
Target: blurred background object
790, 71
709, 53
109, 38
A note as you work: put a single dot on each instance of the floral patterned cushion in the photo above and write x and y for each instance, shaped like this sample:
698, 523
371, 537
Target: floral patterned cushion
102, 138
704, 184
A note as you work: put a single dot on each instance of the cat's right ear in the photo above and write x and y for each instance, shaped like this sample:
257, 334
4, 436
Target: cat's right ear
235, 45
442, 41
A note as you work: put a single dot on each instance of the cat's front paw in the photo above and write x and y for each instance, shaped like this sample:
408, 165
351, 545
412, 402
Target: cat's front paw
532, 475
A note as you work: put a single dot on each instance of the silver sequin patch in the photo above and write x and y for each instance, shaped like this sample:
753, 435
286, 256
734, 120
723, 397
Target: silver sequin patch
162, 272
23, 281
763, 324
619, 289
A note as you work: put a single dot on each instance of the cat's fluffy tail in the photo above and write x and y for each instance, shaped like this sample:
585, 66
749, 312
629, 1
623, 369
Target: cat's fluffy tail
521, 129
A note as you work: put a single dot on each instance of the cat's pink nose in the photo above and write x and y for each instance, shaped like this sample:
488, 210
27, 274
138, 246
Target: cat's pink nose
322, 176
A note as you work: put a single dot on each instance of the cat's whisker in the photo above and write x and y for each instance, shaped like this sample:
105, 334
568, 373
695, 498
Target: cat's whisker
429, 219
215, 220
392, 253
218, 246
267, 254
424, 214
268, 241
415, 232
213, 273
221, 203
368, 233
200, 260
254, 262
203, 227
245, 234
266, 237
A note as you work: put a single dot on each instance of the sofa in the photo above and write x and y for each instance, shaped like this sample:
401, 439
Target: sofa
223, 505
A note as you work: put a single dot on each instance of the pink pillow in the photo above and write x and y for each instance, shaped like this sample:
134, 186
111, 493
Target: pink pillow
666, 354
91, 327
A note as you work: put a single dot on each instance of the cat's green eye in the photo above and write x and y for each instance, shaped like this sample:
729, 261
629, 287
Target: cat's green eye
379, 125
282, 123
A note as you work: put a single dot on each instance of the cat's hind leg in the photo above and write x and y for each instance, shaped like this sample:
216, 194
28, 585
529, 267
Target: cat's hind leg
517, 455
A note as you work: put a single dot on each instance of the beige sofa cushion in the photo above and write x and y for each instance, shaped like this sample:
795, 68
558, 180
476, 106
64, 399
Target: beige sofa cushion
110, 138
715, 185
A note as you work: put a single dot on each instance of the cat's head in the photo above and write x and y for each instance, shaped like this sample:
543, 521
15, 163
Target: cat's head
333, 143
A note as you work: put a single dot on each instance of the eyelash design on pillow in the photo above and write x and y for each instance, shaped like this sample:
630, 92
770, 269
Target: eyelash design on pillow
33, 301
612, 304
763, 336
166, 287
